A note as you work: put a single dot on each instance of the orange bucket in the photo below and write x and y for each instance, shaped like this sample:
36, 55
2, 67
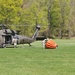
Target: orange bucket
50, 44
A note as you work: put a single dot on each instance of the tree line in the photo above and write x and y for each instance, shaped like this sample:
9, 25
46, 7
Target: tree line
56, 17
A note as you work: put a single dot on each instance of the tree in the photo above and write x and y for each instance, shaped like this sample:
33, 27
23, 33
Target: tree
10, 11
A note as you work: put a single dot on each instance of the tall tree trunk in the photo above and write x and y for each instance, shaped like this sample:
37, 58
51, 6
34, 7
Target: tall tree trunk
62, 6
49, 21
49, 17
60, 34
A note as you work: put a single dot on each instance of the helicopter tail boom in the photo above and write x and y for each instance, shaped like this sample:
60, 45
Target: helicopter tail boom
36, 33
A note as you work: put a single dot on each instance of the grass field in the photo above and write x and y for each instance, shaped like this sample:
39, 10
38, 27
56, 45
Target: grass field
35, 60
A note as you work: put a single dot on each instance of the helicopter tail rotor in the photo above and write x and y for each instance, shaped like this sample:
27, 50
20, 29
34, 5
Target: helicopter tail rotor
38, 27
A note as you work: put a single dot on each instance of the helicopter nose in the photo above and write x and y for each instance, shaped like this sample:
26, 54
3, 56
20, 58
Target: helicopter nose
38, 27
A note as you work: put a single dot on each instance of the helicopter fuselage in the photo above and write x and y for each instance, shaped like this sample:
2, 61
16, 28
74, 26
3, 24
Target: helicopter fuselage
7, 35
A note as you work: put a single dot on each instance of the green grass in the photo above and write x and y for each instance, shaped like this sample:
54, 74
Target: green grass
35, 60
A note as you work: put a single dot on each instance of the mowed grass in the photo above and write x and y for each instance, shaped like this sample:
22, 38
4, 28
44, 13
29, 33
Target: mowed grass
35, 60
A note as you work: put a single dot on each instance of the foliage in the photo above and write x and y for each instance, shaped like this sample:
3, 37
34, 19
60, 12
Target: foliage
9, 11
56, 17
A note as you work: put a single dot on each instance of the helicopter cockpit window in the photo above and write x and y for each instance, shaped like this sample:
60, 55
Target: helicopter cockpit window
8, 31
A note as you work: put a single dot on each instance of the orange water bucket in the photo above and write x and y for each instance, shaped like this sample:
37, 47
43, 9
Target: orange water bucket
50, 44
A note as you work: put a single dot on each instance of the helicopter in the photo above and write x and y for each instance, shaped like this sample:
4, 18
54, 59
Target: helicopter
7, 35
